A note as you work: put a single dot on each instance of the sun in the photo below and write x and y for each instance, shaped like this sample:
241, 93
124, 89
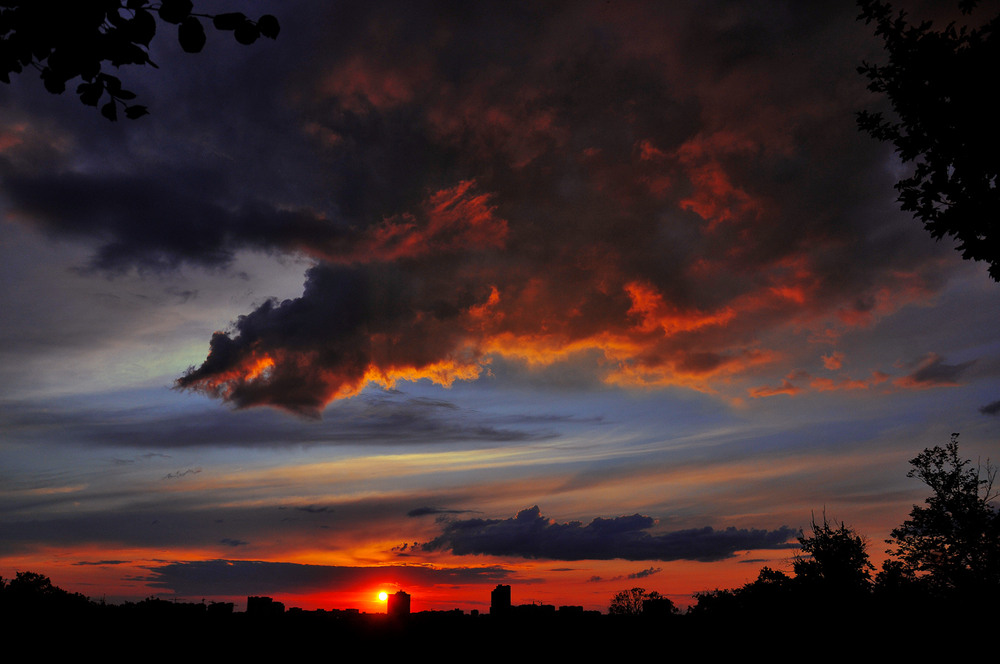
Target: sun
382, 595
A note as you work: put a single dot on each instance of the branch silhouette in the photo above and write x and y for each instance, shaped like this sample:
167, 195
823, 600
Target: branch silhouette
939, 84
66, 40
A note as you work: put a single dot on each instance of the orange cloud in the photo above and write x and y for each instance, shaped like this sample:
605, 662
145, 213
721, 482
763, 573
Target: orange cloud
786, 387
360, 82
450, 220
833, 361
933, 371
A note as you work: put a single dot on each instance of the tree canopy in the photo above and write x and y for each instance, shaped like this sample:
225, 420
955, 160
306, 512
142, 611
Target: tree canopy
939, 84
631, 602
953, 540
837, 558
66, 40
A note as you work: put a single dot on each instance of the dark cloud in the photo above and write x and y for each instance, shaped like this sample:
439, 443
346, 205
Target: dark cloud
991, 408
388, 418
530, 535
582, 191
80, 519
313, 509
424, 511
244, 577
933, 371
182, 473
672, 194
642, 574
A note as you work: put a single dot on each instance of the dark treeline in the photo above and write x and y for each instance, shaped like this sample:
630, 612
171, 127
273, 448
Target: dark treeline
936, 594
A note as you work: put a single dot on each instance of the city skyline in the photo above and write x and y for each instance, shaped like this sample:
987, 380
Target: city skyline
571, 297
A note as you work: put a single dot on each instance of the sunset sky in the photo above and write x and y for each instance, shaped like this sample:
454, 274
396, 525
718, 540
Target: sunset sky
573, 296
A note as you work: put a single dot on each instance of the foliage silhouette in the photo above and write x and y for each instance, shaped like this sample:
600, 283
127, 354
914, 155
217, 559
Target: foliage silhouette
630, 602
838, 559
66, 40
952, 543
32, 592
939, 84
769, 594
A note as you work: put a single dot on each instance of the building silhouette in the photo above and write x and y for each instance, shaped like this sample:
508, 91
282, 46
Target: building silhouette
399, 604
500, 600
264, 606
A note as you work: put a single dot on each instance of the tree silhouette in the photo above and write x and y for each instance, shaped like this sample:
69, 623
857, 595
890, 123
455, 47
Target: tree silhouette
30, 591
629, 602
66, 40
952, 543
939, 84
838, 558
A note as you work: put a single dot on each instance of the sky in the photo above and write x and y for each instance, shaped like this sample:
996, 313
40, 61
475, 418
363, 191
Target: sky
571, 296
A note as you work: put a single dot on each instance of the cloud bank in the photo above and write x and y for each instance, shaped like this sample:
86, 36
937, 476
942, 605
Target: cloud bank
530, 535
249, 577
680, 199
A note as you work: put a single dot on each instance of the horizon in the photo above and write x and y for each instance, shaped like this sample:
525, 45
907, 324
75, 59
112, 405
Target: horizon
575, 298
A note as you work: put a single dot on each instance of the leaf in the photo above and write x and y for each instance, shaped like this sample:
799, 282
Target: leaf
53, 83
113, 83
90, 93
247, 33
133, 112
268, 26
191, 35
110, 110
175, 11
229, 21
142, 28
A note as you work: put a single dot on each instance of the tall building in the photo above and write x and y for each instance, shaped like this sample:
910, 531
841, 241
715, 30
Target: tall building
500, 600
264, 606
399, 604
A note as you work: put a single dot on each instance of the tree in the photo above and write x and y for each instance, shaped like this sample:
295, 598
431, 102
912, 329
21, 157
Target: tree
837, 558
770, 594
66, 40
953, 541
939, 84
30, 591
630, 602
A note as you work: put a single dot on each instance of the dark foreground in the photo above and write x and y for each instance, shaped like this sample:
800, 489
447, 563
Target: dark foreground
803, 632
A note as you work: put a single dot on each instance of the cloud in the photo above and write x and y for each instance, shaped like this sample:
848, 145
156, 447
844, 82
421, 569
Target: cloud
932, 371
376, 417
786, 387
642, 574
246, 577
589, 194
833, 361
424, 511
530, 535
181, 473
991, 408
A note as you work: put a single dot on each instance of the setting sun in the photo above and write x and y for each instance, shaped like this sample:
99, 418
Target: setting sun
383, 596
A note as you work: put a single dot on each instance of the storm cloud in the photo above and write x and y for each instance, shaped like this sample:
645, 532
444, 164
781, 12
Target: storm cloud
530, 535
588, 194
249, 577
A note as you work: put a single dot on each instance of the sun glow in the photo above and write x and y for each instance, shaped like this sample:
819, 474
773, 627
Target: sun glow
383, 596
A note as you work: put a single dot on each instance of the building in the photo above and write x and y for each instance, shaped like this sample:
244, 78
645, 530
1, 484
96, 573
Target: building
264, 606
399, 604
500, 600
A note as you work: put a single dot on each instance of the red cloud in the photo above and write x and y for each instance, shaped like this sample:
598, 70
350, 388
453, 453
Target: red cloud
453, 219
562, 201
